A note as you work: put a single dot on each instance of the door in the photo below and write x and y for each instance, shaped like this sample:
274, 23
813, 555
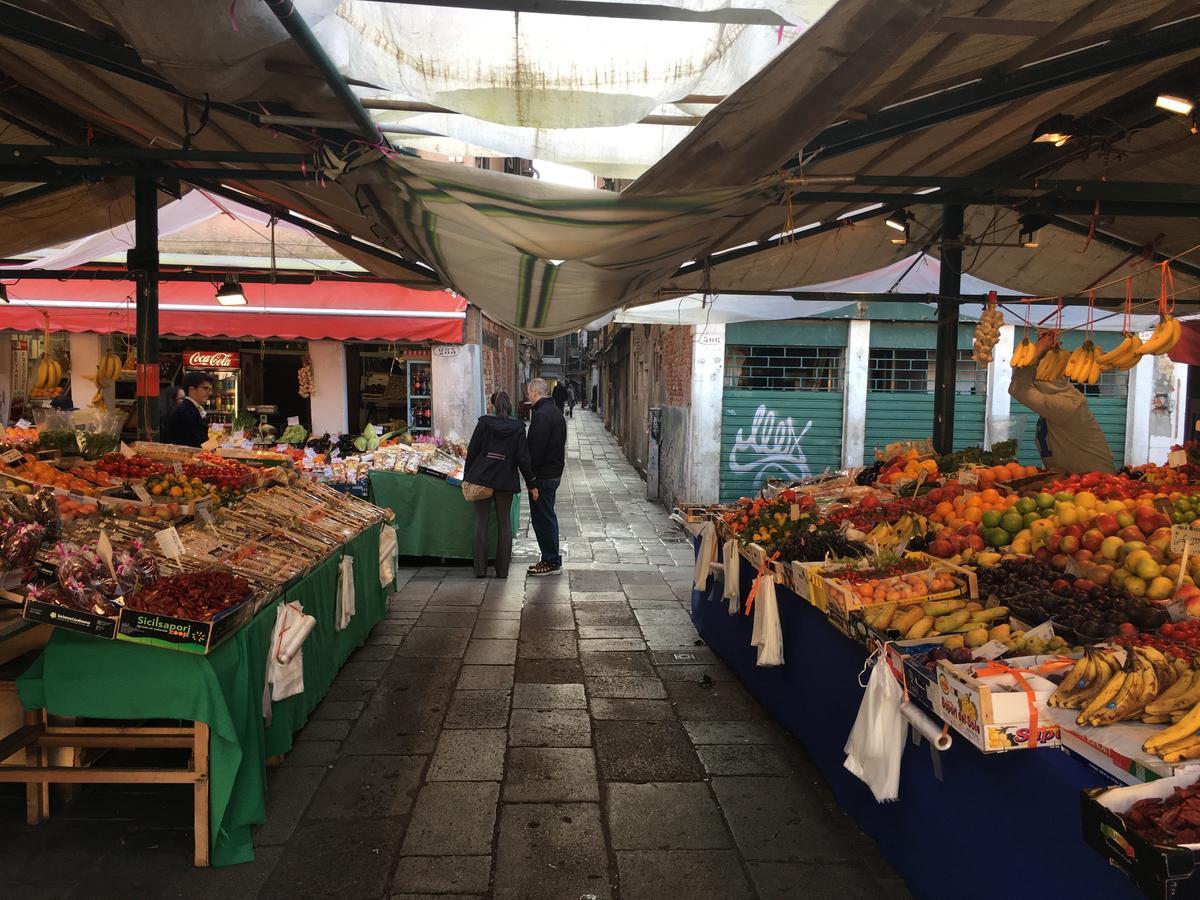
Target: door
901, 381
782, 404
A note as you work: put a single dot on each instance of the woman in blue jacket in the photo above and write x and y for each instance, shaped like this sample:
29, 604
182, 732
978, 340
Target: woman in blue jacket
495, 455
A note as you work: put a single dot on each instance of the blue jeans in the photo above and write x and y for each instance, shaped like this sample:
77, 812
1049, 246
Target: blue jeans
545, 520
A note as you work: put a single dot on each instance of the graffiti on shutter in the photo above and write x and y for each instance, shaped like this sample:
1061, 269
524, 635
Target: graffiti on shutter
773, 448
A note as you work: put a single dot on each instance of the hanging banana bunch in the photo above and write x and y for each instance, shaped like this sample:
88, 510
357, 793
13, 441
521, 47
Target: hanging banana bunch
1053, 365
49, 370
1083, 365
1024, 354
1164, 339
987, 332
1124, 356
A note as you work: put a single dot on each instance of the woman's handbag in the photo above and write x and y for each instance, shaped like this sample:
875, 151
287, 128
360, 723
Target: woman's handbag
473, 492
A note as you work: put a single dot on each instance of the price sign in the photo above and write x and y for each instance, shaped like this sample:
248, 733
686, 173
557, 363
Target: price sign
991, 650
178, 467
310, 454
378, 429
210, 444
335, 453
1177, 458
126, 450
104, 551
204, 513
968, 477
247, 445
238, 436
1182, 535
169, 542
13, 458
142, 494
23, 423
293, 420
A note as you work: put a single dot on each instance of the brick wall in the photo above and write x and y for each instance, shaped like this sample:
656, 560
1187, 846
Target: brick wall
675, 352
499, 361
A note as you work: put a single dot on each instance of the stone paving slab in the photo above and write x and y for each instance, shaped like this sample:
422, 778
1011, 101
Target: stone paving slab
469, 755
551, 852
664, 816
550, 728
453, 818
550, 774
549, 696
645, 751
443, 874
708, 874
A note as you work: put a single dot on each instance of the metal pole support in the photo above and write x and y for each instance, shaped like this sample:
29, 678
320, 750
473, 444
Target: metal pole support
949, 291
142, 261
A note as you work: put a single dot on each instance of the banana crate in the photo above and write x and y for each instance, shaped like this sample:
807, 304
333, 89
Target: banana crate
997, 711
942, 580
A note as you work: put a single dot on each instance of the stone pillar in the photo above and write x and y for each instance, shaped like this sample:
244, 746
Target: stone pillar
702, 481
457, 389
86, 350
854, 398
999, 377
1137, 413
328, 401
1167, 414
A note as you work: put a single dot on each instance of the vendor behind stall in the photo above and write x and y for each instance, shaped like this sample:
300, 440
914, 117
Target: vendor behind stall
1068, 437
188, 424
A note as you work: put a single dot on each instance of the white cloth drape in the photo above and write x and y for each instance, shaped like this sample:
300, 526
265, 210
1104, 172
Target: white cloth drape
388, 555
285, 661
705, 557
767, 634
345, 595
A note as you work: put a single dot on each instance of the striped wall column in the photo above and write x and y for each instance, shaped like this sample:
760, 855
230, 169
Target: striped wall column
854, 411
999, 403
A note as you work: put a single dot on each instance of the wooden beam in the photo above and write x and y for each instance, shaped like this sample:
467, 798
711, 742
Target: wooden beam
985, 25
612, 10
73, 775
1049, 42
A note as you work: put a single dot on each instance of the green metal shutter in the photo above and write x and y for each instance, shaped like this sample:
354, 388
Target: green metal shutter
1109, 406
783, 402
905, 411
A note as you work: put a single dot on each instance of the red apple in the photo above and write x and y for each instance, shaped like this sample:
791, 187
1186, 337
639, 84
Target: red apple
1084, 584
1074, 531
1161, 538
1069, 544
1131, 533
1102, 575
975, 542
1092, 539
1054, 542
1083, 556
1042, 554
1106, 523
1060, 560
1125, 519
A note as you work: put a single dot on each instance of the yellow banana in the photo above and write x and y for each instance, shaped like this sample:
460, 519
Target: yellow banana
1023, 355
1186, 726
1107, 694
1118, 351
1160, 339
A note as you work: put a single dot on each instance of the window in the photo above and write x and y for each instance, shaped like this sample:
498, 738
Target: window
548, 348
1111, 384
899, 370
759, 367
573, 339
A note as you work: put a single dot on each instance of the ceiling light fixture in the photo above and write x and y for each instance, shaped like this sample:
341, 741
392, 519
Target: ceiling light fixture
900, 220
230, 293
1030, 225
1056, 130
556, 262
1174, 103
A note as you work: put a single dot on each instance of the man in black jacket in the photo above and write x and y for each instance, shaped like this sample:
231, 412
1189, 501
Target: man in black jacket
548, 455
559, 396
188, 424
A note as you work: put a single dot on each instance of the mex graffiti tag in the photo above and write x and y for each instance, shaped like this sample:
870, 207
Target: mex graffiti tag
772, 449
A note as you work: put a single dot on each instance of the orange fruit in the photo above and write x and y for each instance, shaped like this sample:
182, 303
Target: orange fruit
973, 514
944, 509
991, 495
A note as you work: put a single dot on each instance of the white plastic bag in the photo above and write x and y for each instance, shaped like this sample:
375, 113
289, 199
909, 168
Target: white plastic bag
705, 557
345, 595
876, 742
733, 576
767, 634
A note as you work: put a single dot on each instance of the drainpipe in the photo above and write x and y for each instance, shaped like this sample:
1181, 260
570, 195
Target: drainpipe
290, 18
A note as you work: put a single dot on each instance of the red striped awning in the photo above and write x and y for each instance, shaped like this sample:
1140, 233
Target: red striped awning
324, 310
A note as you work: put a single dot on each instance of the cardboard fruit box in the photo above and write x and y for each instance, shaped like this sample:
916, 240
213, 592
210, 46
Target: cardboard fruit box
841, 598
71, 619
186, 635
993, 711
1160, 870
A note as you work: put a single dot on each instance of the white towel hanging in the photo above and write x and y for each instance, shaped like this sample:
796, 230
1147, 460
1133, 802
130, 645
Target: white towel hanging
388, 555
705, 557
733, 576
285, 660
345, 596
768, 632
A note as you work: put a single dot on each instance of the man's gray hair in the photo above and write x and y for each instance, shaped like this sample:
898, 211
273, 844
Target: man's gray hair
539, 387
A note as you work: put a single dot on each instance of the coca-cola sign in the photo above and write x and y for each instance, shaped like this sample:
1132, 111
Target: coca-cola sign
212, 359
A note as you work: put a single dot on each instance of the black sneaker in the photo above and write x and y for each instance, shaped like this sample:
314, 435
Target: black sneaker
545, 568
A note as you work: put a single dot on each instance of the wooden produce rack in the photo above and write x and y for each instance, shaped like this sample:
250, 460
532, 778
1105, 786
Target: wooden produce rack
37, 738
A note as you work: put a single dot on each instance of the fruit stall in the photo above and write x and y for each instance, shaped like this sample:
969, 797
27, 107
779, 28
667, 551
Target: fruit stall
1043, 628
185, 586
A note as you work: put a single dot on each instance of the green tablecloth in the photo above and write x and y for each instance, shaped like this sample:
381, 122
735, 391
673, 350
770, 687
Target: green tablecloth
432, 518
79, 675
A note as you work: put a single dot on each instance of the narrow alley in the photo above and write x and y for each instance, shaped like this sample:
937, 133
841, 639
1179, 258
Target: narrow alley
563, 737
